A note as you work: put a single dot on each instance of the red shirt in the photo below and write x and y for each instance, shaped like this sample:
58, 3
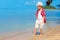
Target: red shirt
43, 13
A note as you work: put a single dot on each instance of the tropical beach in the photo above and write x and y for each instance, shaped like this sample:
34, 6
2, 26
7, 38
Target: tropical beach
51, 29
17, 20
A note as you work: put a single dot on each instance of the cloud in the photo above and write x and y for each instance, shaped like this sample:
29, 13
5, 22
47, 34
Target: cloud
30, 2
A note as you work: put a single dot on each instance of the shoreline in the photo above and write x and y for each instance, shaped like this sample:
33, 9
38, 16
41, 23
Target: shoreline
50, 34
16, 36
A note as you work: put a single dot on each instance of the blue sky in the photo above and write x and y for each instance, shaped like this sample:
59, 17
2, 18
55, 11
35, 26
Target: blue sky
7, 3
22, 3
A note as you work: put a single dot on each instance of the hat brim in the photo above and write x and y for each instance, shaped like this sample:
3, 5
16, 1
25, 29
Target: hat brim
38, 5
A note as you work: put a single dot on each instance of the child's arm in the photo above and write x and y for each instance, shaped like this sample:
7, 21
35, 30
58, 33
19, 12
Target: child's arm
44, 16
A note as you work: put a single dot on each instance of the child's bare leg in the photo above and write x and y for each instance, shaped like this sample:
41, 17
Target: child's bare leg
36, 26
35, 31
41, 29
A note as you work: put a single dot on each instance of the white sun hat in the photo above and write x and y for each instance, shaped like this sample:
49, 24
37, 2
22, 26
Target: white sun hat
39, 3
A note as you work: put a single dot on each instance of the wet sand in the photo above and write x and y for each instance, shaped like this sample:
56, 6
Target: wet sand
52, 33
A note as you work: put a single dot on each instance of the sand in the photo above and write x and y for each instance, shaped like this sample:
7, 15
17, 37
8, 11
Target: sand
52, 33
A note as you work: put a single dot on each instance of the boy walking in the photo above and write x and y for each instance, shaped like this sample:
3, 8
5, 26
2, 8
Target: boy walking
40, 18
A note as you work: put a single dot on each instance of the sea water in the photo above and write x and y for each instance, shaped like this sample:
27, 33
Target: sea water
13, 20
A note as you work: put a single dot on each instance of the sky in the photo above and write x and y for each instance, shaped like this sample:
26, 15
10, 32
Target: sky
7, 4
23, 3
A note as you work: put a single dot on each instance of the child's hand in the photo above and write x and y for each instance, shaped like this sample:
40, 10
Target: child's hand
44, 18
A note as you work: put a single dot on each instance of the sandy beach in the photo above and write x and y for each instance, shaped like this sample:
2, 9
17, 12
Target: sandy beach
51, 34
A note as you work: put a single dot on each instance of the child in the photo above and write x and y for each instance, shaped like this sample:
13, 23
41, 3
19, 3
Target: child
40, 18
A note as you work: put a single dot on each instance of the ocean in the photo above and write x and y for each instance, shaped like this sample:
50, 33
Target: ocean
12, 20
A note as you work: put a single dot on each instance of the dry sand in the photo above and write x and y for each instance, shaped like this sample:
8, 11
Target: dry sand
51, 34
